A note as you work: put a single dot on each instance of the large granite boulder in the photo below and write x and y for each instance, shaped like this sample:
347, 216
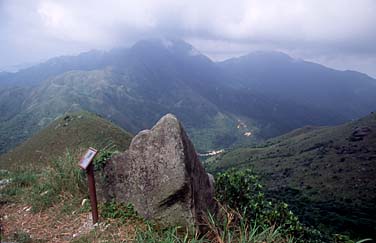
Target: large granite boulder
161, 175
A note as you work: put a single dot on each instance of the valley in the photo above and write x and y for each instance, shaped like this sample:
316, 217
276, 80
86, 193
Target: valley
325, 173
162, 121
307, 130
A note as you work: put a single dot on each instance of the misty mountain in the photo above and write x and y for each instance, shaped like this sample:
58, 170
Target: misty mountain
348, 94
262, 94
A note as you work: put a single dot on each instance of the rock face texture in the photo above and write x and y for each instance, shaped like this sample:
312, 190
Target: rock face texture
161, 175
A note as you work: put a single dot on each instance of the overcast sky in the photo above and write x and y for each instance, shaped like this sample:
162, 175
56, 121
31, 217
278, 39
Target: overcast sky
337, 33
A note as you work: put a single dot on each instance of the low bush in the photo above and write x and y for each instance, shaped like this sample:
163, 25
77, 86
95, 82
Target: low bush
230, 228
116, 210
63, 179
21, 237
233, 227
242, 191
17, 182
103, 157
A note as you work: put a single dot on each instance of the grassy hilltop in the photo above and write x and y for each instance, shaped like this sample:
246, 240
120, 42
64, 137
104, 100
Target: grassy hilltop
75, 131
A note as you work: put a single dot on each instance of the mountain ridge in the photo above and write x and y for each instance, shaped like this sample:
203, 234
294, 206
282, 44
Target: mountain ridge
134, 86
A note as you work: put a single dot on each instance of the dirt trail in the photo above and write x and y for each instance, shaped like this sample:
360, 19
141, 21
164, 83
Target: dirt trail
50, 225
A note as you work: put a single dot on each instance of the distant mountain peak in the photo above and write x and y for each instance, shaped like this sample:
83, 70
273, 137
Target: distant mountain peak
172, 45
267, 57
276, 55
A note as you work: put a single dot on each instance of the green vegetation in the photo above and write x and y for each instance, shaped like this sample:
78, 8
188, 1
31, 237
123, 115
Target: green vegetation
133, 101
225, 231
303, 162
21, 237
20, 181
169, 235
116, 210
260, 220
323, 173
103, 156
223, 131
62, 180
74, 132
233, 227
242, 191
134, 87
230, 227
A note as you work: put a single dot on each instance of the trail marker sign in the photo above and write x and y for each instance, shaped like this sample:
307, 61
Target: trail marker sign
87, 158
86, 164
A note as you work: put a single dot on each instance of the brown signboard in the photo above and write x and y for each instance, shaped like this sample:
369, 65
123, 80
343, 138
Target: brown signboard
85, 163
87, 158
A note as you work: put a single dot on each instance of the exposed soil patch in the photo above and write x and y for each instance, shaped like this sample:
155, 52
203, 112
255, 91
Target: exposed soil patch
54, 226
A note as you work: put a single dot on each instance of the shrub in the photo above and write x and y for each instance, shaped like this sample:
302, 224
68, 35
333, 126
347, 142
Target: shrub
62, 180
103, 157
242, 191
23, 178
21, 237
18, 182
116, 210
233, 227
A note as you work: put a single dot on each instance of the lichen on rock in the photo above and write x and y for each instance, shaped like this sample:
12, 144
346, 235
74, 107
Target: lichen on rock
161, 175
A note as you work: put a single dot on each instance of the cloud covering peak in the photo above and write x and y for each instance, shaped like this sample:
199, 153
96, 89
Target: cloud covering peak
339, 33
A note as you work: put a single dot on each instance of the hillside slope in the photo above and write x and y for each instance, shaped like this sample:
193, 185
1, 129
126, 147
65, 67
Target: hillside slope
327, 173
71, 132
348, 93
261, 95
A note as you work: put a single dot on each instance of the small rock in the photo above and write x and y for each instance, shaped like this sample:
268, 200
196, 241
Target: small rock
84, 201
5, 182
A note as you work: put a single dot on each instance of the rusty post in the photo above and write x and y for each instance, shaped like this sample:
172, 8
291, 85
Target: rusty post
92, 192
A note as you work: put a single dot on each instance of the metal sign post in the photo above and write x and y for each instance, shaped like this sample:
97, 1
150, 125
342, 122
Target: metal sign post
86, 164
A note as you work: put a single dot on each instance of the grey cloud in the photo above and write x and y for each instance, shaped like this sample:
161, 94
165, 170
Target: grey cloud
318, 30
